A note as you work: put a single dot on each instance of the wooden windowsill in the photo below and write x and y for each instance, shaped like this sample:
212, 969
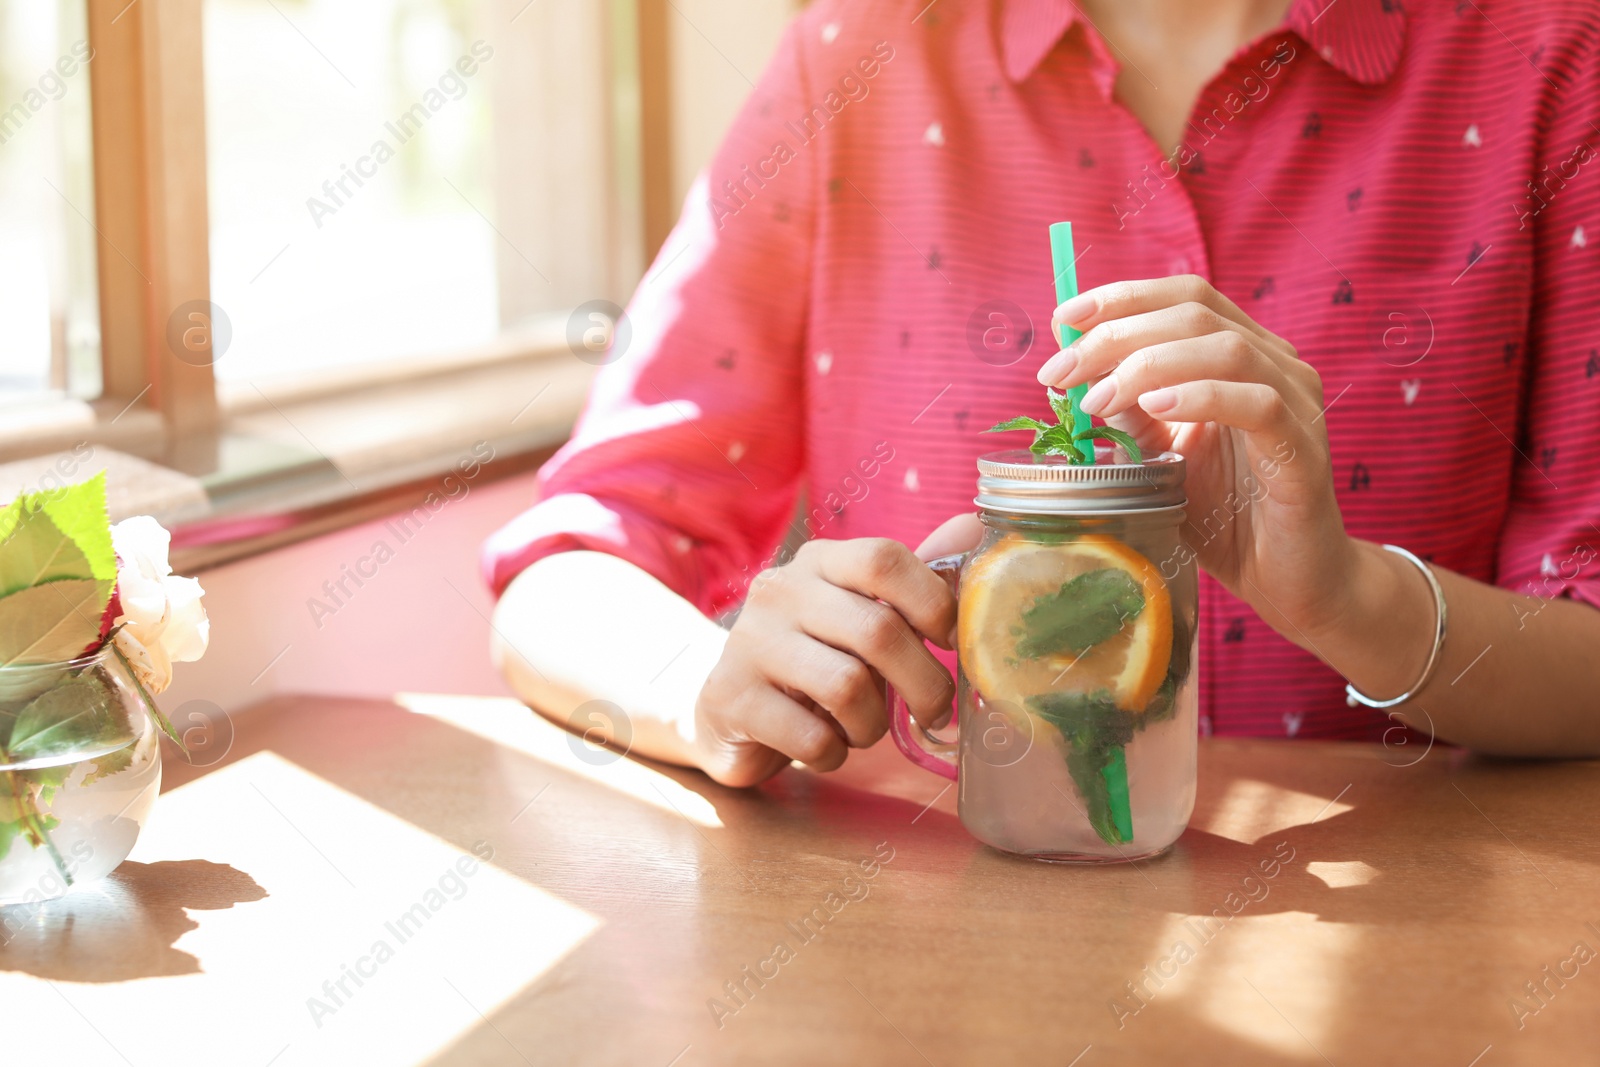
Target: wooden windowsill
289, 466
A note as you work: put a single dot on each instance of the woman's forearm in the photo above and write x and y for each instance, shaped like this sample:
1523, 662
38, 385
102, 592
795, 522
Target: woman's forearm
578, 627
1517, 675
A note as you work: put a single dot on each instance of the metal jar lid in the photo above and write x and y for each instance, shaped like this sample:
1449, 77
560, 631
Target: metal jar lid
1022, 483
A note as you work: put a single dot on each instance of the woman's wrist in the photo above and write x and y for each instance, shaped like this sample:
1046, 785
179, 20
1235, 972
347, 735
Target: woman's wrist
1382, 632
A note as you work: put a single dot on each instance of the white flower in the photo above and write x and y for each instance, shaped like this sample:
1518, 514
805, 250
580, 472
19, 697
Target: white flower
162, 618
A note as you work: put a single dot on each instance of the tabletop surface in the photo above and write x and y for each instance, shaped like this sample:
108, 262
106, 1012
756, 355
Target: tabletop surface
450, 880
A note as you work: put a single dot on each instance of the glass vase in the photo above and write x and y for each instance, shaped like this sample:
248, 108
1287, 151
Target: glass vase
80, 768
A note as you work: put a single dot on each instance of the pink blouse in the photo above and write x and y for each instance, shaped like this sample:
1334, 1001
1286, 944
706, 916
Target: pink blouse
861, 283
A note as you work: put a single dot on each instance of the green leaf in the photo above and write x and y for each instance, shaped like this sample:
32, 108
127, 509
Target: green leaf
109, 764
14, 828
1055, 441
80, 513
57, 572
36, 552
49, 779
1111, 433
1077, 445
1095, 730
1061, 404
20, 812
11, 516
1081, 614
8, 832
52, 622
1021, 422
78, 715
150, 704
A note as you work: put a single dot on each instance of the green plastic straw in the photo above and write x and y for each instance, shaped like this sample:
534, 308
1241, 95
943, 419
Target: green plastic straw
1116, 776
1065, 264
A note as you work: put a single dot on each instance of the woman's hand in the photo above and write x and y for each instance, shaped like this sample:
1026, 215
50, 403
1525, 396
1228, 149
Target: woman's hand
1179, 366
802, 674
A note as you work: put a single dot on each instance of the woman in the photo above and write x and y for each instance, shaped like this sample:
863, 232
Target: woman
1346, 234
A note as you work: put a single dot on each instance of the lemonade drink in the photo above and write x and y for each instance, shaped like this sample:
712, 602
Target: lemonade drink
1076, 698
1077, 712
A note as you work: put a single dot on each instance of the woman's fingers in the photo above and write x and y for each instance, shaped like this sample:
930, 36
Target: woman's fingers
1154, 436
1107, 345
1225, 356
881, 639
960, 533
770, 718
1119, 300
803, 671
836, 681
886, 570
1257, 410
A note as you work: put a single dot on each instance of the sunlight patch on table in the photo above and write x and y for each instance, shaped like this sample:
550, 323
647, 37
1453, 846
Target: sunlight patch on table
508, 722
350, 957
1252, 809
1342, 874
1295, 1005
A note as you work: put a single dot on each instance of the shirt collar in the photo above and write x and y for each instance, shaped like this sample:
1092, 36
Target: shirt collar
1361, 38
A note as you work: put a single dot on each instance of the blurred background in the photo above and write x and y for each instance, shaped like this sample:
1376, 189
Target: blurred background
285, 268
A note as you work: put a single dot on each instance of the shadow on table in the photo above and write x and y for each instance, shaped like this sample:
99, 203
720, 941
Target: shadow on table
124, 927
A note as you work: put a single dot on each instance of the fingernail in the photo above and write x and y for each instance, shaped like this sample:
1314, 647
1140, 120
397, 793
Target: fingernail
1099, 396
1057, 367
943, 718
1078, 309
1159, 400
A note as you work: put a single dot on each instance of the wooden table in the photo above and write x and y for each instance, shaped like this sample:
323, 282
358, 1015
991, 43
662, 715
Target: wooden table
506, 896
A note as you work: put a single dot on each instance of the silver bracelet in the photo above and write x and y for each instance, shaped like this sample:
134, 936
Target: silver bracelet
1354, 696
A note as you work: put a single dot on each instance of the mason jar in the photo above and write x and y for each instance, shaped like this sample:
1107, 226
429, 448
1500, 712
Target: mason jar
1076, 731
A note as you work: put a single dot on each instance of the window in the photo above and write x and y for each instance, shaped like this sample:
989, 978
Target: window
49, 318
272, 259
352, 183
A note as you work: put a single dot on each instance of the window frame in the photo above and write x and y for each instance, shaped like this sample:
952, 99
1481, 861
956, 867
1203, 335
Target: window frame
148, 119
149, 170
147, 113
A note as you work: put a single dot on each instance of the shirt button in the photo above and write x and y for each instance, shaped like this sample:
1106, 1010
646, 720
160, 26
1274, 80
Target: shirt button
1178, 265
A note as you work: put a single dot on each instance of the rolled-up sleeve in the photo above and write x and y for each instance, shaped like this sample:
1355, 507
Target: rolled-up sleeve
1551, 541
687, 458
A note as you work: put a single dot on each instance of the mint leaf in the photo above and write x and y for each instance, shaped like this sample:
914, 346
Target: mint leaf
1055, 441
1095, 730
1061, 404
52, 622
1061, 439
1081, 614
1111, 433
1021, 422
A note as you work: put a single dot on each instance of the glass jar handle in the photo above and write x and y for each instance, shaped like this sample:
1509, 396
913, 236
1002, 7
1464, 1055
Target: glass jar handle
919, 746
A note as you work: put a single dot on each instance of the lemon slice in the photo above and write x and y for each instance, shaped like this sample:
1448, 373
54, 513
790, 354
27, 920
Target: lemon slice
1013, 577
